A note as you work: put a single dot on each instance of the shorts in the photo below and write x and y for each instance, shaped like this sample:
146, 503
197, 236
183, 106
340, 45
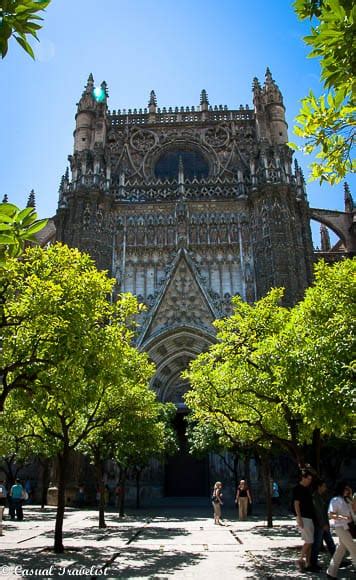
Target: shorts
307, 531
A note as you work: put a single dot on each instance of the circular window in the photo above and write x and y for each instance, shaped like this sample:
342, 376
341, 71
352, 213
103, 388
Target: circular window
194, 164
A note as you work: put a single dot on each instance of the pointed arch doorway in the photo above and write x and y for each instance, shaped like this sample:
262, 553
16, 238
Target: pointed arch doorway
185, 474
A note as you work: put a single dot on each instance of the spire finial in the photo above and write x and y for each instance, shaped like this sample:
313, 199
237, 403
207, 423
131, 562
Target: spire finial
31, 202
153, 99
89, 86
348, 199
61, 185
256, 84
271, 89
204, 101
268, 76
5, 199
204, 97
325, 244
104, 86
152, 103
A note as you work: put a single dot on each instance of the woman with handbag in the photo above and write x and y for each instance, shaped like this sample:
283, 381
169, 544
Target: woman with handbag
217, 502
243, 499
340, 512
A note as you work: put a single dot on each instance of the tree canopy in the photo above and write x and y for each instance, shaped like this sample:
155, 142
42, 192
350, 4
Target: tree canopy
327, 123
276, 374
67, 358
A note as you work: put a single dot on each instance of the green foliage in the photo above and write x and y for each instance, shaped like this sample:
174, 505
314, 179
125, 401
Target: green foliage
19, 19
276, 374
50, 299
16, 228
67, 359
322, 349
66, 351
328, 122
144, 432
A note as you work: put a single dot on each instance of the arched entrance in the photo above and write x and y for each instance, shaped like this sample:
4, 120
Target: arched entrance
184, 474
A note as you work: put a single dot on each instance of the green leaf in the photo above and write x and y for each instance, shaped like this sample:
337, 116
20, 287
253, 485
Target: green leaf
6, 239
6, 219
25, 45
23, 214
36, 227
8, 209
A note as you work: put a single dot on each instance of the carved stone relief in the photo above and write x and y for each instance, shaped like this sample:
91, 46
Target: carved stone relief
182, 303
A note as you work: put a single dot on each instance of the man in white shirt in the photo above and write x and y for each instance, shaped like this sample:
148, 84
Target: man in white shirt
3, 493
341, 515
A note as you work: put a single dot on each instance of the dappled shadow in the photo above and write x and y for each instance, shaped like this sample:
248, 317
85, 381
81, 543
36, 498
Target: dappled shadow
127, 562
122, 533
278, 531
280, 563
162, 533
31, 516
42, 559
144, 563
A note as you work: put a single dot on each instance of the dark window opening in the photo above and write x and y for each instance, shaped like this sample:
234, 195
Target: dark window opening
194, 165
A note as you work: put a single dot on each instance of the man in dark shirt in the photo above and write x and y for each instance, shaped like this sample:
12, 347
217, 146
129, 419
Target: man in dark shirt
304, 511
321, 524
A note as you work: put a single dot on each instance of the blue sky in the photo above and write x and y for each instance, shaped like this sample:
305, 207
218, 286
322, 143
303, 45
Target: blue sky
175, 48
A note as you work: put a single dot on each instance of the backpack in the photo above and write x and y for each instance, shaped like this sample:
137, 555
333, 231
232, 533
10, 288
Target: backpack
16, 491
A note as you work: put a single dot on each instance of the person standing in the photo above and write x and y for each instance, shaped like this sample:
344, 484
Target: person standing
217, 502
275, 492
340, 513
321, 525
3, 494
304, 511
17, 494
243, 499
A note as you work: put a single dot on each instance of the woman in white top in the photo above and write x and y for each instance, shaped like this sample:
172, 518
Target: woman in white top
340, 514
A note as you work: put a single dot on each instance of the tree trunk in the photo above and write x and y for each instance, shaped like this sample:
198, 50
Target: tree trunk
101, 488
63, 458
296, 453
138, 480
122, 494
45, 463
236, 470
316, 444
247, 473
266, 473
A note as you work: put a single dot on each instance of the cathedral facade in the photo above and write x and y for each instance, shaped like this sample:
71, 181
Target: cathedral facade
187, 207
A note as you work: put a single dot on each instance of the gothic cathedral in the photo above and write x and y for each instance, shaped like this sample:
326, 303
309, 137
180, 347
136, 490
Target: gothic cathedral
187, 207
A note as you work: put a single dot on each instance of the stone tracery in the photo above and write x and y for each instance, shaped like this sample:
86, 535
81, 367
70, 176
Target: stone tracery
241, 224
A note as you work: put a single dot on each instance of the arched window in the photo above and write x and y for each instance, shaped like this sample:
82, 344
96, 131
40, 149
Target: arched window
194, 164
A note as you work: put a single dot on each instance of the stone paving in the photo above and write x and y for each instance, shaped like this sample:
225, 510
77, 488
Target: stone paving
161, 543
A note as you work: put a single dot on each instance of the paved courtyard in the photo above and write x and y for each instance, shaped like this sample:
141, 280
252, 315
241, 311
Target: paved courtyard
162, 543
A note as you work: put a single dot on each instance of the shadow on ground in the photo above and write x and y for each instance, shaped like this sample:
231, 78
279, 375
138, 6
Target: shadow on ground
110, 548
32, 516
143, 563
280, 563
277, 532
127, 562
